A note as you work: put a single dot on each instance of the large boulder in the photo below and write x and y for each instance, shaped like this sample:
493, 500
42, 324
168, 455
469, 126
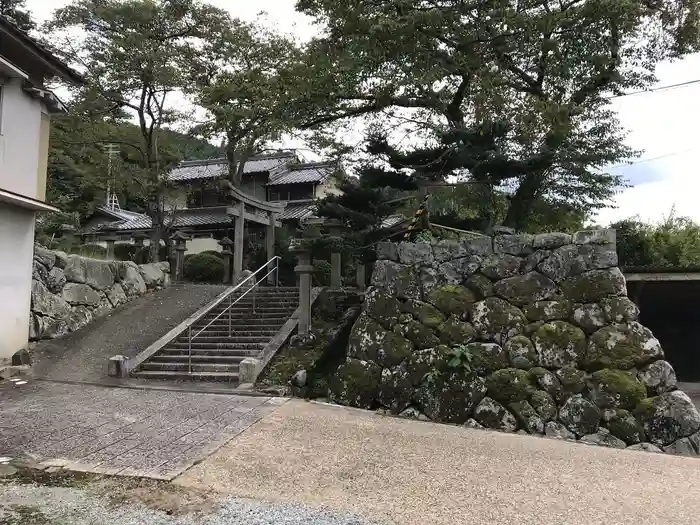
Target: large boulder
603, 438
450, 397
456, 332
497, 320
580, 416
509, 385
590, 287
658, 377
415, 253
480, 285
623, 425
387, 251
682, 447
153, 274
557, 310
44, 256
80, 316
619, 309
447, 250
39, 271
423, 363
396, 279
355, 383
556, 430
572, 380
116, 295
369, 341
55, 280
546, 380
590, 317
97, 274
528, 418
501, 266
429, 280
486, 357
616, 389
599, 236
622, 346
131, 280
544, 405
514, 244
46, 303
524, 289
491, 414
51, 328
668, 417
521, 352
420, 335
559, 344
75, 293
453, 299
550, 241
571, 260
395, 388
426, 313
382, 307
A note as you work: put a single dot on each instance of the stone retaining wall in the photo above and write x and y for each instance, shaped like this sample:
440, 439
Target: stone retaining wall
69, 291
515, 333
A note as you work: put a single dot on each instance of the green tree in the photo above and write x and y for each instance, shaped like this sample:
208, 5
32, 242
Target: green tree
133, 54
530, 80
244, 82
16, 12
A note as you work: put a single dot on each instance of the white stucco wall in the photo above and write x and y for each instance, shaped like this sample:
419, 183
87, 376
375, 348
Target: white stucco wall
201, 245
328, 187
20, 126
16, 253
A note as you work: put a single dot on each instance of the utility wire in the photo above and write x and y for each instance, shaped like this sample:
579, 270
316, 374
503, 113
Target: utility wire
656, 89
642, 161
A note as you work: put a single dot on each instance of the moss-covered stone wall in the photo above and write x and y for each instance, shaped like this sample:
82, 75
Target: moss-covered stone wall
529, 333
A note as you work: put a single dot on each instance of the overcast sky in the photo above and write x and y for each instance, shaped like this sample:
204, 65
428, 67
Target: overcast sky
661, 124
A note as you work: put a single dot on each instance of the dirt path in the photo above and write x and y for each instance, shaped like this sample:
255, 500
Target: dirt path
408, 472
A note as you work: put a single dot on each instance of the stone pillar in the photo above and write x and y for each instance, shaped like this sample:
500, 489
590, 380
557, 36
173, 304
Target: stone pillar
226, 244
270, 244
110, 246
238, 243
336, 229
361, 276
303, 271
180, 249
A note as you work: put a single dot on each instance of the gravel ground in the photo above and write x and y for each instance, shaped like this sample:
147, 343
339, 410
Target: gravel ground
42, 505
83, 355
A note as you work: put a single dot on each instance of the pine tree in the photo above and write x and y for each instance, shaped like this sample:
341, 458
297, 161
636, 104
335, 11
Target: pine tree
16, 12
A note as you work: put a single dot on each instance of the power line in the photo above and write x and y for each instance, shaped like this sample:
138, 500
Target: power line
642, 161
653, 90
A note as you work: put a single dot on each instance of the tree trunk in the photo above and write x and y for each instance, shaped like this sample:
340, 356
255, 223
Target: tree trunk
522, 201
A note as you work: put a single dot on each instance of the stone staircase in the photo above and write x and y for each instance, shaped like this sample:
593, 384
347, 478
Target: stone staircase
215, 354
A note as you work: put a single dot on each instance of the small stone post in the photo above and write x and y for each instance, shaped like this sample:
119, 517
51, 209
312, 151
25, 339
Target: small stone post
303, 270
110, 246
336, 229
238, 243
180, 248
361, 276
270, 243
226, 244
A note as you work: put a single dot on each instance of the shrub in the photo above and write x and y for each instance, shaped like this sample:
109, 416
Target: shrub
214, 253
94, 251
322, 273
204, 268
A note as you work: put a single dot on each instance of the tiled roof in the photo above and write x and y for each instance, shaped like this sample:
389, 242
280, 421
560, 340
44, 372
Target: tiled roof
215, 168
298, 210
393, 220
308, 172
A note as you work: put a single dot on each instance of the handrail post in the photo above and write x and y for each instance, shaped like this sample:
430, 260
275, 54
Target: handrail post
229, 315
189, 349
277, 272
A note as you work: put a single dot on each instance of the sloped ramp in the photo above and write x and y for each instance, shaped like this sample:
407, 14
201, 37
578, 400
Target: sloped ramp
82, 356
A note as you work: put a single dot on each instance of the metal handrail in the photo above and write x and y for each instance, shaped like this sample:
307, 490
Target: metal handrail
231, 304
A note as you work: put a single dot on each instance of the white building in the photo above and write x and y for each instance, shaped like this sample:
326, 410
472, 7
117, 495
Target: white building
26, 107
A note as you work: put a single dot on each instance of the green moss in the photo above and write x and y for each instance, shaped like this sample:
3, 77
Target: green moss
645, 408
527, 417
547, 310
615, 388
594, 285
486, 357
456, 332
623, 425
546, 381
356, 383
453, 299
544, 405
509, 385
424, 312
559, 344
621, 347
521, 352
480, 285
419, 335
572, 380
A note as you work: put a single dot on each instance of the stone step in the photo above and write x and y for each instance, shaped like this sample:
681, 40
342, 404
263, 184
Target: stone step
215, 346
234, 338
222, 352
197, 357
278, 303
229, 377
235, 332
184, 366
222, 324
238, 310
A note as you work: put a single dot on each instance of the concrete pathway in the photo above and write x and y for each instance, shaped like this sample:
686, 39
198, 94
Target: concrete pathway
407, 472
148, 433
82, 355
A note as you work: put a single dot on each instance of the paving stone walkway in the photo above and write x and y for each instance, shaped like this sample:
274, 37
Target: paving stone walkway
146, 433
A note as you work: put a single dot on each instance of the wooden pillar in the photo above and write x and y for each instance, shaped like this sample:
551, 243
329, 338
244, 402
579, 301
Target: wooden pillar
361, 276
270, 244
238, 243
180, 249
110, 246
336, 270
304, 270
226, 244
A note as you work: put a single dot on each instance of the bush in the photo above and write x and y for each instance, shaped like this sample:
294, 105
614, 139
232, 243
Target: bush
94, 251
322, 273
204, 268
214, 253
